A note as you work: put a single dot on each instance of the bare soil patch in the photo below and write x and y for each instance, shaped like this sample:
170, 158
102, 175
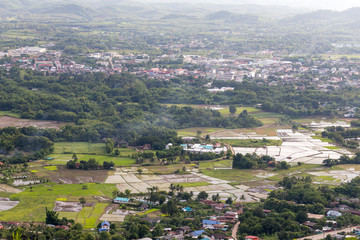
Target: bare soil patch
6, 204
6, 121
6, 188
67, 206
73, 176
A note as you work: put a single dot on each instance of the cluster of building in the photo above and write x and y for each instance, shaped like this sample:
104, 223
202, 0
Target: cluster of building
204, 148
322, 74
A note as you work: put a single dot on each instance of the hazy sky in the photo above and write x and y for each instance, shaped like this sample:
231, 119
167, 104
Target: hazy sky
310, 4
314, 4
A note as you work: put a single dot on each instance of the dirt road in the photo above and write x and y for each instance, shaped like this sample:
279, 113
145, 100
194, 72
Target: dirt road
234, 230
323, 235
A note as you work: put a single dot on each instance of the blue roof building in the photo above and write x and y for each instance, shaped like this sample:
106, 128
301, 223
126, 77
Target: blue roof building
210, 222
121, 200
333, 214
105, 227
197, 233
187, 209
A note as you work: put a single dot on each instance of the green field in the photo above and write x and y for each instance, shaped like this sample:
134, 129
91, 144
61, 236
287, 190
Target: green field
298, 170
62, 159
192, 132
10, 114
250, 142
194, 184
239, 110
234, 175
51, 168
217, 164
96, 213
238, 176
79, 147
323, 139
332, 147
64, 151
267, 115
33, 203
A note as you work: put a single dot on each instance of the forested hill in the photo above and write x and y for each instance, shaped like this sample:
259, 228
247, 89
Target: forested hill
129, 107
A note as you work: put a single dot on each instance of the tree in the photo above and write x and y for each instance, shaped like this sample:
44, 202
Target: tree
52, 217
82, 201
139, 171
215, 197
117, 152
115, 193
109, 145
74, 157
229, 200
85, 187
127, 193
104, 236
301, 217
16, 235
232, 109
202, 195
158, 231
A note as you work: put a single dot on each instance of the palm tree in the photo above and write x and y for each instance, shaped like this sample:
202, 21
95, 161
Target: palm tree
115, 193
17, 234
172, 187
127, 193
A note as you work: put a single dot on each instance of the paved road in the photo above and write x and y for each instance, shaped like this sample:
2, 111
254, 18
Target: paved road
323, 235
234, 230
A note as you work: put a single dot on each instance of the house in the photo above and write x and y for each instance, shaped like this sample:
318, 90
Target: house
121, 200
197, 233
309, 224
209, 224
343, 207
187, 209
183, 230
105, 227
219, 236
333, 214
252, 238
172, 237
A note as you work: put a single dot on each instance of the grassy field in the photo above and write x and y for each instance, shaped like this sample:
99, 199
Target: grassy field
79, 147
332, 147
239, 110
168, 169
238, 176
194, 184
97, 212
64, 151
10, 114
235, 175
218, 164
62, 159
192, 132
304, 168
33, 203
322, 139
250, 142
267, 115
51, 168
